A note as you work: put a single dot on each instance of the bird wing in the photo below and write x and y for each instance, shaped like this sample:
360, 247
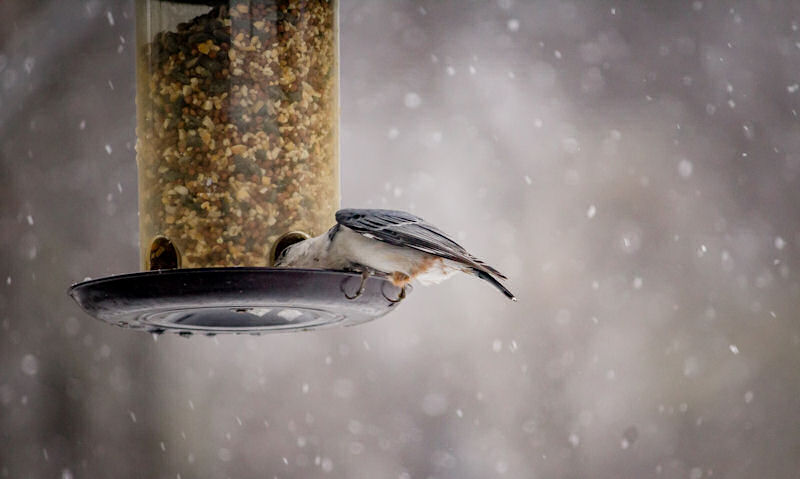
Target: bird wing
399, 228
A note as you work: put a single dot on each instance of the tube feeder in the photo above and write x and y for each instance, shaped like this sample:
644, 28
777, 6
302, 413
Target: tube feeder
238, 158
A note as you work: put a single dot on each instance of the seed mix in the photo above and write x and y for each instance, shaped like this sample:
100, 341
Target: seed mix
237, 133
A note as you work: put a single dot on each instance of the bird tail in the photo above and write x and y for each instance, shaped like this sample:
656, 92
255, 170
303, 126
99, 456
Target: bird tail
490, 270
491, 279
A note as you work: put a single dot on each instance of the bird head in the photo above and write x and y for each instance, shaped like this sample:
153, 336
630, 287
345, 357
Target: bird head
302, 253
281, 250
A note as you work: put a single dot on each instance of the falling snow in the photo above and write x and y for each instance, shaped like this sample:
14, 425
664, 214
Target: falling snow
412, 100
505, 130
30, 365
685, 168
28, 64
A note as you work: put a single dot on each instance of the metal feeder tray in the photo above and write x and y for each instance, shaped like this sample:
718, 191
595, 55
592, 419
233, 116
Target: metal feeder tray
236, 300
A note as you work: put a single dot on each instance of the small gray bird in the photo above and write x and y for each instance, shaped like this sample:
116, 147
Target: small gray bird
394, 243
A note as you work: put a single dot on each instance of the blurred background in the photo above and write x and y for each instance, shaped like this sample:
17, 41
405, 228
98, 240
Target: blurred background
632, 166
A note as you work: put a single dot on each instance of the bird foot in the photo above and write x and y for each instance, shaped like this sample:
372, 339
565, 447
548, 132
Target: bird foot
364, 276
399, 298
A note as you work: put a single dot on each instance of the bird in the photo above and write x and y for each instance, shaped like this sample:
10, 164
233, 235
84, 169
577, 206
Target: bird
395, 244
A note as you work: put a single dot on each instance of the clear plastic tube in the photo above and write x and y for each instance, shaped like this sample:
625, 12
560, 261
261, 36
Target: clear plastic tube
237, 132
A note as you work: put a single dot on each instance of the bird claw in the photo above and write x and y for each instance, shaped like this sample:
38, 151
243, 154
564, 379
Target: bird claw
364, 276
399, 298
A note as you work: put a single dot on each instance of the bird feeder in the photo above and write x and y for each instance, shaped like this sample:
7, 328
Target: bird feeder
238, 158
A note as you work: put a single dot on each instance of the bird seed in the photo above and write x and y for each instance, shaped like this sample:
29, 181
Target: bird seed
238, 131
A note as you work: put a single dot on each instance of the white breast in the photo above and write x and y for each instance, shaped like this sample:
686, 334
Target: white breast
349, 247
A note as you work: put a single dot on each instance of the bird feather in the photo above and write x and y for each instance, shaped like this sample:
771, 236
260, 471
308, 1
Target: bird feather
399, 228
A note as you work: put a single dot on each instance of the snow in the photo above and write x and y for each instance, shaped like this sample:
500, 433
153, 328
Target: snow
28, 64
703, 211
497, 345
412, 100
631, 241
30, 365
685, 168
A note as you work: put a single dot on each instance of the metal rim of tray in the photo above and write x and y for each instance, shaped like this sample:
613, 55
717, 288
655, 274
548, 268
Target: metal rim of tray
239, 300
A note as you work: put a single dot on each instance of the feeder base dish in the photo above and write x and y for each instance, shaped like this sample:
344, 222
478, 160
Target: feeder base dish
235, 300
